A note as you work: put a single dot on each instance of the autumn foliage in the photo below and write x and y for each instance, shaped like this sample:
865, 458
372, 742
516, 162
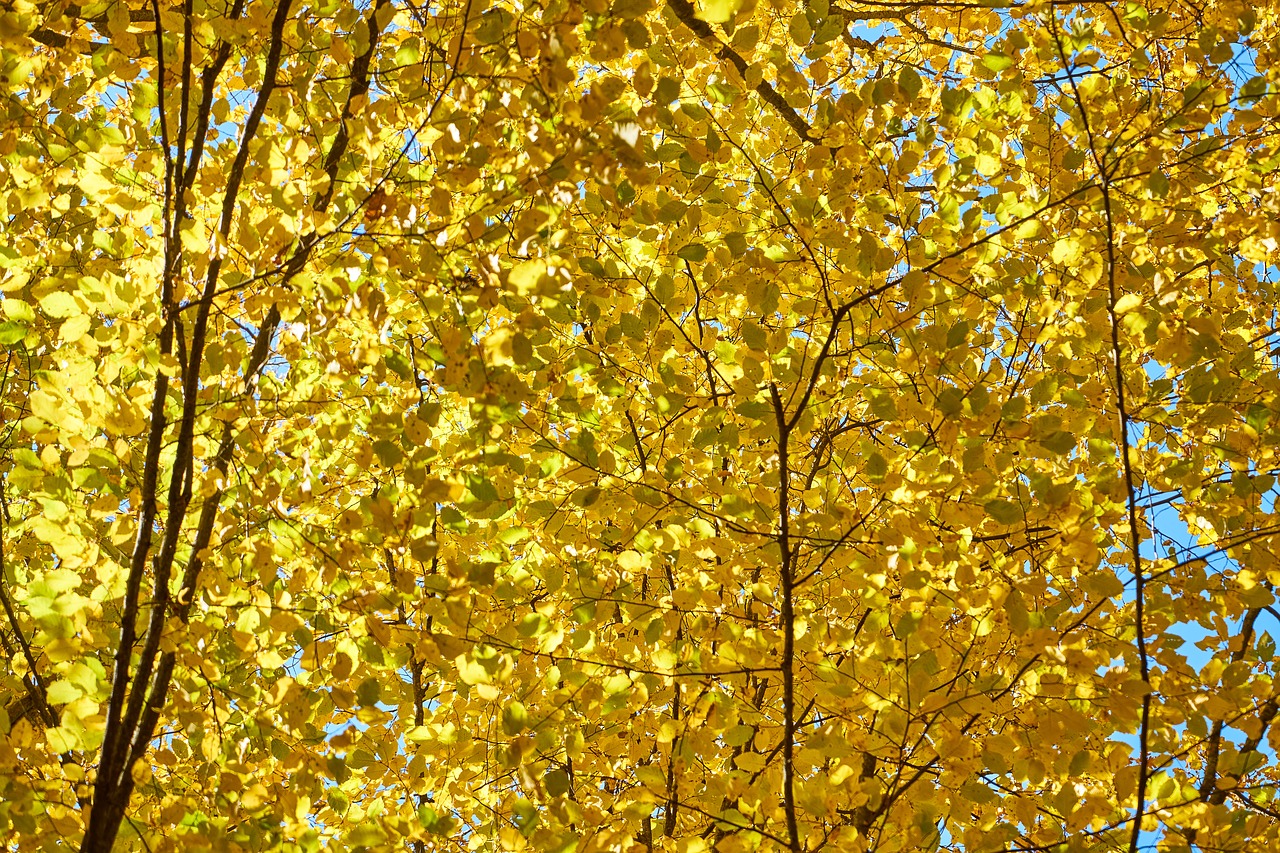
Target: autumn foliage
639, 425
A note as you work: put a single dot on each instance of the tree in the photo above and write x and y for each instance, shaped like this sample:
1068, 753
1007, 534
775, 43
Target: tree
639, 426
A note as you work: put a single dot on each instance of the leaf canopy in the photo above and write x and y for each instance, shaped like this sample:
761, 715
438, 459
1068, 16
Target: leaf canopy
636, 425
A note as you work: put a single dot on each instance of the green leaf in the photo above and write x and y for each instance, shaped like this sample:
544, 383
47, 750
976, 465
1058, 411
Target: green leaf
997, 61
369, 692
585, 496
388, 452
672, 211
398, 364
515, 718
482, 573
1254, 89
513, 535
736, 243
800, 29
876, 468
556, 782
367, 834
533, 624
1005, 512
1059, 441
908, 624
493, 24
481, 489
909, 81
12, 333
694, 252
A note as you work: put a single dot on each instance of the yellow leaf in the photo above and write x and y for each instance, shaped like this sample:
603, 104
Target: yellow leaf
62, 692
524, 277
631, 561
1065, 250
1127, 303
95, 184
719, 11
59, 304
75, 328
497, 346
471, 671
986, 164
840, 774
441, 491
16, 309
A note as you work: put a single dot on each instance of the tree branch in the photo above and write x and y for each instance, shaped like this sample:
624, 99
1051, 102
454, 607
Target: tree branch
685, 12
